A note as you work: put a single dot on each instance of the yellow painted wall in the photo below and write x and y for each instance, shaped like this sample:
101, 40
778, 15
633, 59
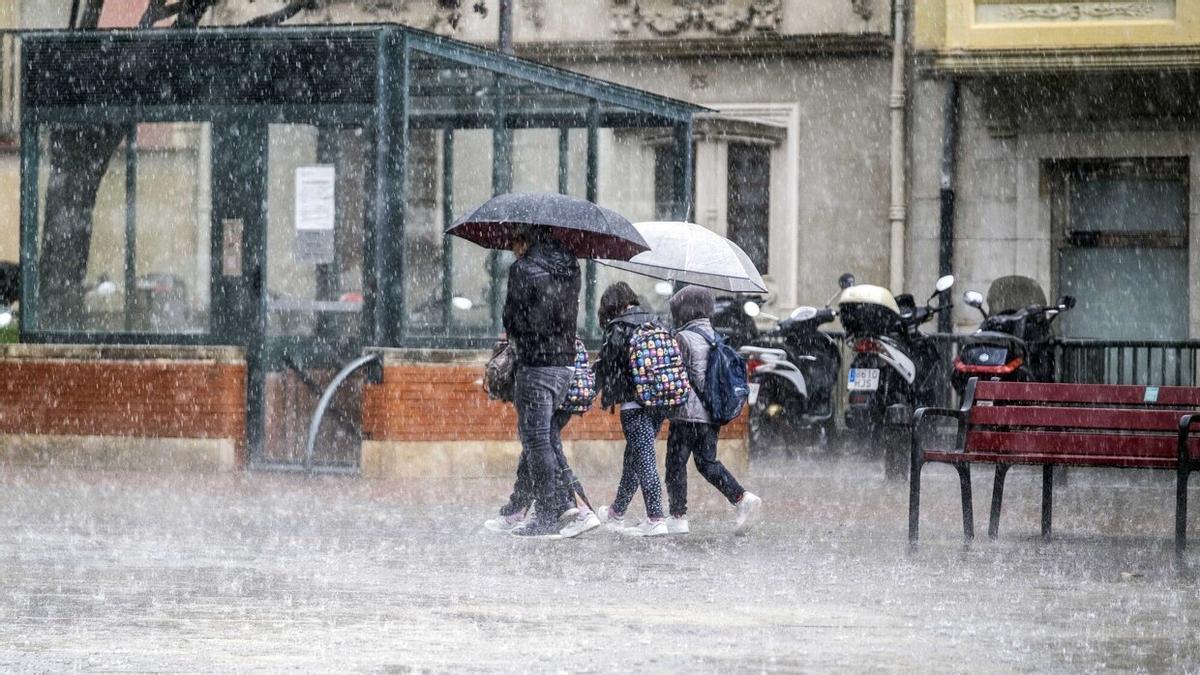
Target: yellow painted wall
10, 206
951, 25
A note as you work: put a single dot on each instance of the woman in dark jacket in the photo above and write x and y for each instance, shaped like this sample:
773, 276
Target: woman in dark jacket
620, 313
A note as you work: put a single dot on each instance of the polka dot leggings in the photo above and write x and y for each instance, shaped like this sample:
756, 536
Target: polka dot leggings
641, 427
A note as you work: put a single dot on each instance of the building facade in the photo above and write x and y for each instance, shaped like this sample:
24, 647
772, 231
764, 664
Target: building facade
1074, 148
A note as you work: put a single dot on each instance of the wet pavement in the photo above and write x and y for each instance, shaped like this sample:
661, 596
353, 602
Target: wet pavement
116, 572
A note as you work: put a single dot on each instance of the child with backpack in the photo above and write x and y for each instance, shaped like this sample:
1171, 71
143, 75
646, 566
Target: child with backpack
639, 369
695, 424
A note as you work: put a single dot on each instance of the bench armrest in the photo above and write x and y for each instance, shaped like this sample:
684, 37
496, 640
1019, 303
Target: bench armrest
1186, 423
922, 414
960, 415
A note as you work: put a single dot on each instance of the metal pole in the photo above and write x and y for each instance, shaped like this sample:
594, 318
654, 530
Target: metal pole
897, 212
131, 226
447, 220
946, 193
564, 149
506, 26
683, 171
593, 193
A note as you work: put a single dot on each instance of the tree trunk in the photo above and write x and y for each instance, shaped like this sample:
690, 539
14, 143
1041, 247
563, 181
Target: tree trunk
79, 156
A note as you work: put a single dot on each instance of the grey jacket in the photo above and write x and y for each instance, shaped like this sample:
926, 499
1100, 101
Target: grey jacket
694, 351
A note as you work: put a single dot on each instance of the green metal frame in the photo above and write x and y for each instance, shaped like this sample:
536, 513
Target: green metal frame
390, 117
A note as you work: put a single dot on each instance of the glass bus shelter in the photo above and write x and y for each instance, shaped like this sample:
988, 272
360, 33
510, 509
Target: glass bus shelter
286, 189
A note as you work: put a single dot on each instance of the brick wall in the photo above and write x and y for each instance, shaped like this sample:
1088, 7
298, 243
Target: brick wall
424, 401
83, 393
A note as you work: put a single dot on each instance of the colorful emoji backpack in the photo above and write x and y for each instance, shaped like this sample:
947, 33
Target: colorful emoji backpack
659, 377
582, 389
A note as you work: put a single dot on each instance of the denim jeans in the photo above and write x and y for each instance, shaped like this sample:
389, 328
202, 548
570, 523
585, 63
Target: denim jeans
522, 494
537, 394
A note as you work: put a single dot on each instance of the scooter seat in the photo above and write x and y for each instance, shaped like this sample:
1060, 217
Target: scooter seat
769, 353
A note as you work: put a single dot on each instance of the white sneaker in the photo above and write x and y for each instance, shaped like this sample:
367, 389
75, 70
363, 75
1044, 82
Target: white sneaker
647, 528
747, 512
504, 524
567, 517
611, 522
582, 523
677, 525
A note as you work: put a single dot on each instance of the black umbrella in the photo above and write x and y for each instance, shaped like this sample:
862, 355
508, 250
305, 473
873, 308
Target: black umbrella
587, 230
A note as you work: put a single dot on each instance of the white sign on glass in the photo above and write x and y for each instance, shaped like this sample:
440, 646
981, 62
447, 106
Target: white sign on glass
315, 213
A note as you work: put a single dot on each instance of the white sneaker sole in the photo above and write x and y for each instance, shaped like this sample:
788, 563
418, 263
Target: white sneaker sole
588, 527
635, 532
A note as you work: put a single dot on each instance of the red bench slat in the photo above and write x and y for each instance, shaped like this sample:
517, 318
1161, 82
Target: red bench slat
1188, 397
1078, 444
1077, 418
1065, 460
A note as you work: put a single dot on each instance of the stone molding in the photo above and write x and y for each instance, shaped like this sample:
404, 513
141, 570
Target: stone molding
866, 44
1019, 61
436, 16
670, 18
1077, 11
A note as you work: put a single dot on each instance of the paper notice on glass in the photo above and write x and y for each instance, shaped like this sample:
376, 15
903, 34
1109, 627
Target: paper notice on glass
315, 213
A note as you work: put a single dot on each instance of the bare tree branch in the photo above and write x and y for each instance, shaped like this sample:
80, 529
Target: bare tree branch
277, 17
159, 10
73, 17
192, 12
90, 18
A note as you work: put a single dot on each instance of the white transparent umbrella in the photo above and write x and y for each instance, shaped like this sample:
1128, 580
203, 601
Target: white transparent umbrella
692, 254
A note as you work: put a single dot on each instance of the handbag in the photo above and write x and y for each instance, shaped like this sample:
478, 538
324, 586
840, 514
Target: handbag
500, 373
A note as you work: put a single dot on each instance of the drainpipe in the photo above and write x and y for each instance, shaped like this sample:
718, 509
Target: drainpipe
897, 212
946, 193
506, 26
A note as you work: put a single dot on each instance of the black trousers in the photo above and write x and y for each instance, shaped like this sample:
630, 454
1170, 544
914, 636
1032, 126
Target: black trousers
699, 441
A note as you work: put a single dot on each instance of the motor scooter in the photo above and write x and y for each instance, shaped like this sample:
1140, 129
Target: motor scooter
731, 321
1015, 341
895, 368
792, 384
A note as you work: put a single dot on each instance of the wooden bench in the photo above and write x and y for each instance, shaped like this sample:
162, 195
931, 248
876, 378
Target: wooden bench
1009, 423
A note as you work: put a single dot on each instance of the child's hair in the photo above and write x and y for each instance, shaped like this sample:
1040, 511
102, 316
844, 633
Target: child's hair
614, 300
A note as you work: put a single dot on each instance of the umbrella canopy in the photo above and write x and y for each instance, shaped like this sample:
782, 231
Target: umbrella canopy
693, 254
587, 230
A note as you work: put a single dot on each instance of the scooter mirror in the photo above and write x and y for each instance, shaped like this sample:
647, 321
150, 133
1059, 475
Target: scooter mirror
1067, 301
973, 299
803, 313
751, 309
106, 288
846, 280
461, 303
943, 284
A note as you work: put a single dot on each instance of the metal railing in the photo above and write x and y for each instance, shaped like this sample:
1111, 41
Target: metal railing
1083, 361
1144, 362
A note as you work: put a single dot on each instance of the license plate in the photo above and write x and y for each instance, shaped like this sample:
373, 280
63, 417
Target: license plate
753, 396
863, 379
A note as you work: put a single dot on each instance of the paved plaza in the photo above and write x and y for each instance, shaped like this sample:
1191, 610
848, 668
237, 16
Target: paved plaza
124, 572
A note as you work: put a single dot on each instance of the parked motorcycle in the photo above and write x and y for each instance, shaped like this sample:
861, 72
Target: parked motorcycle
792, 385
1015, 341
895, 368
731, 321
